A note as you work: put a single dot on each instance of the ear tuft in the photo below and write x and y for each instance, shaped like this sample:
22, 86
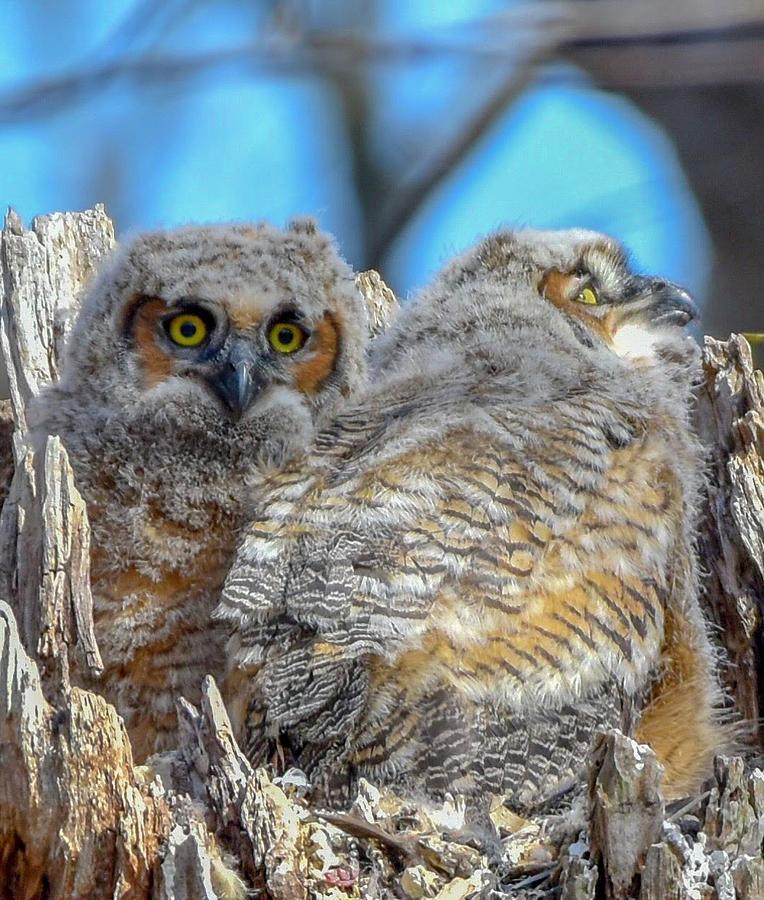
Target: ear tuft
303, 225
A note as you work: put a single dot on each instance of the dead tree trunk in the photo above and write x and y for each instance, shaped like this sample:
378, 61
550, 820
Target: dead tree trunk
79, 820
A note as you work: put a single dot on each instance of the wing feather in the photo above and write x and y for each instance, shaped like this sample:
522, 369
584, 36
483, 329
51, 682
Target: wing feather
492, 562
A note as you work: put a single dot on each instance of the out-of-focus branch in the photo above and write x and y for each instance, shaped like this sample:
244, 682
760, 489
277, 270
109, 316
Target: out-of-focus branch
655, 18
602, 26
685, 64
437, 167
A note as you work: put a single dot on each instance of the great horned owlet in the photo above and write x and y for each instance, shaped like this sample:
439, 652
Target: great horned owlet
202, 358
490, 556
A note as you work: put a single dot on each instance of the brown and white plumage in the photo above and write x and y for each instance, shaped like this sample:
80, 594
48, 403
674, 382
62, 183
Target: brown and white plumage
174, 400
490, 555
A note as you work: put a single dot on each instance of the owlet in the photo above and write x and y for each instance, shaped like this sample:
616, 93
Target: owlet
491, 554
202, 359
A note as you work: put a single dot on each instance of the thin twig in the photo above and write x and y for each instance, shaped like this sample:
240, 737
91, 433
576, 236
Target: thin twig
407, 846
686, 807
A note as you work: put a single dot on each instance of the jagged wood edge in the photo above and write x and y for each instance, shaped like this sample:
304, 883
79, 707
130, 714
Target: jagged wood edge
730, 420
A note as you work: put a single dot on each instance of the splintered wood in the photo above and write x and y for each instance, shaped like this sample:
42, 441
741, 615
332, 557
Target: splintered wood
731, 423
79, 820
74, 820
381, 302
43, 271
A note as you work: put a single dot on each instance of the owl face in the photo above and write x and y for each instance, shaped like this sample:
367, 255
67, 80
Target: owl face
600, 296
236, 350
583, 278
519, 300
229, 320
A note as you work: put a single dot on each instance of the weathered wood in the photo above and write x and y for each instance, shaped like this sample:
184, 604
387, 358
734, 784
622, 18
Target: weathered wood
626, 810
64, 608
381, 303
43, 271
45, 565
44, 532
75, 822
731, 422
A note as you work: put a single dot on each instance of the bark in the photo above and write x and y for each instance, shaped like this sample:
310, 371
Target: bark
79, 820
731, 423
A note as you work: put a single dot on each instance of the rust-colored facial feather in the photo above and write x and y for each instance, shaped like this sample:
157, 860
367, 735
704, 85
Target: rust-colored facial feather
560, 288
156, 362
557, 286
311, 374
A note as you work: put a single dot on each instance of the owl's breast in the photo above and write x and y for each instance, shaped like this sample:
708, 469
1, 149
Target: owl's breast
155, 584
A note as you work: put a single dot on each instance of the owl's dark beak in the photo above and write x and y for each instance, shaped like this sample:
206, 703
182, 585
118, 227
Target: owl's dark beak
238, 381
669, 303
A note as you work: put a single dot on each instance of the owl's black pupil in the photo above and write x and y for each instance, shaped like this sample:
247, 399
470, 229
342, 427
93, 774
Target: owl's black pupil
285, 336
188, 329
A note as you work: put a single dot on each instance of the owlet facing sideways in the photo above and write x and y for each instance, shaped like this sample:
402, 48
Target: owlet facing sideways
202, 358
490, 555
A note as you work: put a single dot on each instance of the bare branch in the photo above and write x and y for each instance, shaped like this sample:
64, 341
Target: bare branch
433, 171
602, 24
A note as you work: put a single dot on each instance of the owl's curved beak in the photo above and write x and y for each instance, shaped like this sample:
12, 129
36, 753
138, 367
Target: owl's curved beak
669, 303
237, 382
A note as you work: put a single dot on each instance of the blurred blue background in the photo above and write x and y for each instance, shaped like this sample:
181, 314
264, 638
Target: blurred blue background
407, 129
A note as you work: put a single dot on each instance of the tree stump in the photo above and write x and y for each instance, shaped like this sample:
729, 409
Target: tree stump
79, 820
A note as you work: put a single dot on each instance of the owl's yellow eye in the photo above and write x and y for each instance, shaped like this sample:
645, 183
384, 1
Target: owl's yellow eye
588, 296
187, 330
286, 337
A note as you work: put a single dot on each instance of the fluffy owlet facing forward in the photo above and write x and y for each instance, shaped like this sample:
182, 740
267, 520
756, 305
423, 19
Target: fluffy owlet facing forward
490, 556
201, 359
